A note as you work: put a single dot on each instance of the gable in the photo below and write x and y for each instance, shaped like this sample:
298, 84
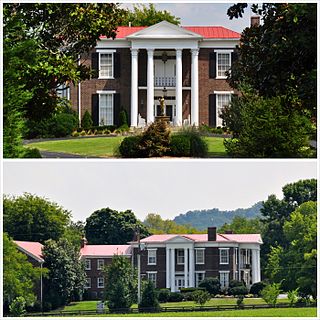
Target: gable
179, 239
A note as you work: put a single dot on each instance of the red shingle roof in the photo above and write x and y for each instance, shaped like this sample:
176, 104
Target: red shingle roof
104, 250
207, 32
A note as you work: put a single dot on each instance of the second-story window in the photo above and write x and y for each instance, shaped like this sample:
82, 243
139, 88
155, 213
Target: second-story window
87, 264
106, 65
100, 282
100, 264
180, 256
152, 256
199, 256
224, 256
223, 64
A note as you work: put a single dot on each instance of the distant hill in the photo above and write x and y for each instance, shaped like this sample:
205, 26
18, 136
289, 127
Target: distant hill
202, 219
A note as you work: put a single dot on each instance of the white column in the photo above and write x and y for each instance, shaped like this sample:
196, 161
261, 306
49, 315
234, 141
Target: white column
172, 270
134, 87
178, 119
191, 269
194, 88
168, 268
186, 267
256, 277
258, 266
150, 87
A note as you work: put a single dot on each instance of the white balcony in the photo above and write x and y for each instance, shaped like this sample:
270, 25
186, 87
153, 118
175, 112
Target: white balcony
164, 81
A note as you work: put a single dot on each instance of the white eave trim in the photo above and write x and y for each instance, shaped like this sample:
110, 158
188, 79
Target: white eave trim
102, 257
40, 260
106, 92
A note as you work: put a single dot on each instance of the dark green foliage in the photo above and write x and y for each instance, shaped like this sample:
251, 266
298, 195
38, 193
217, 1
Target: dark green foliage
32, 218
175, 297
86, 122
63, 124
243, 225
149, 299
257, 287
163, 295
31, 153
18, 307
236, 283
269, 127
184, 290
155, 140
202, 219
107, 226
238, 291
201, 297
212, 285
123, 118
129, 147
180, 146
240, 303
66, 276
121, 283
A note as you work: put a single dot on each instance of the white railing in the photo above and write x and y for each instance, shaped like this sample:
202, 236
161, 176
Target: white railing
164, 81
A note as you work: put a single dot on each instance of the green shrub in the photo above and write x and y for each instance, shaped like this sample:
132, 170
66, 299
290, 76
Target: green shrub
75, 134
47, 306
293, 296
270, 293
129, 147
163, 295
149, 298
175, 297
63, 124
240, 303
31, 153
123, 118
238, 291
83, 133
180, 146
191, 289
86, 122
236, 283
18, 307
256, 288
123, 128
212, 285
201, 297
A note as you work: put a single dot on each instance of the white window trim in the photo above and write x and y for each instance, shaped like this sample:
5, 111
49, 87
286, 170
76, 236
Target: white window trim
89, 282
225, 272
203, 250
98, 285
101, 51
103, 92
180, 263
197, 272
98, 267
85, 264
153, 272
230, 61
217, 93
155, 263
226, 249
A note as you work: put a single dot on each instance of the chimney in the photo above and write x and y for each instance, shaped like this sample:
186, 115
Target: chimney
255, 21
84, 242
212, 233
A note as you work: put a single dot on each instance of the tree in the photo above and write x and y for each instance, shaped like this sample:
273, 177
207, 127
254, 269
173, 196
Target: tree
270, 293
66, 275
242, 225
279, 56
86, 122
32, 218
121, 283
201, 297
212, 285
148, 16
149, 300
19, 276
107, 226
74, 233
18, 307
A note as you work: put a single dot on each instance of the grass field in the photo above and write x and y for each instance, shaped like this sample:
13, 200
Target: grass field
106, 146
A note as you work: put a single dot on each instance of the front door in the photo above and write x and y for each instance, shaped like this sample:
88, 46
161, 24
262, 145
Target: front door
169, 112
179, 282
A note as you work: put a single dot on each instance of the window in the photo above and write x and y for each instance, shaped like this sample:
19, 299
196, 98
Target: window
199, 256
106, 65
223, 63
152, 276
224, 279
100, 264
199, 278
63, 91
100, 282
87, 264
180, 256
223, 99
88, 283
224, 256
106, 109
152, 256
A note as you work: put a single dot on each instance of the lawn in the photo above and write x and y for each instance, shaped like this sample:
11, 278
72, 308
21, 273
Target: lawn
105, 146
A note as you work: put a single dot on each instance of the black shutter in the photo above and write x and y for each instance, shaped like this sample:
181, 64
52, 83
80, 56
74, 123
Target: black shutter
116, 65
116, 108
95, 64
212, 110
212, 65
95, 109
234, 56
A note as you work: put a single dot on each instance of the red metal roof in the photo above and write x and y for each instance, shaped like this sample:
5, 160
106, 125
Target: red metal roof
240, 238
207, 32
32, 248
104, 250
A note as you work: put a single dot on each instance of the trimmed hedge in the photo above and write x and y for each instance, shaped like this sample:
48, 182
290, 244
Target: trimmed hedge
129, 147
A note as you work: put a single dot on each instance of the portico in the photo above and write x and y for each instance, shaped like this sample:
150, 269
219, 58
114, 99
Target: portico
165, 37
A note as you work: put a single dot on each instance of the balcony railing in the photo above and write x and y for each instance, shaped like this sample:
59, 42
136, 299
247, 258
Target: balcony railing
164, 81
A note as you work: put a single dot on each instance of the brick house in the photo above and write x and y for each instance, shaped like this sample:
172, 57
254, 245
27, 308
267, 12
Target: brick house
186, 65
178, 261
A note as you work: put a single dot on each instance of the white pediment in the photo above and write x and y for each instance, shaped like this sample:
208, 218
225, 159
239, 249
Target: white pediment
164, 30
179, 239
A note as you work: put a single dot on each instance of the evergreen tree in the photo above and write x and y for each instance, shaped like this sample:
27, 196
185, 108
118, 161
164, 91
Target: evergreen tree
149, 298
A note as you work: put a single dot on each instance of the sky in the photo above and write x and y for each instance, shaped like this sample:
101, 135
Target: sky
201, 14
153, 186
